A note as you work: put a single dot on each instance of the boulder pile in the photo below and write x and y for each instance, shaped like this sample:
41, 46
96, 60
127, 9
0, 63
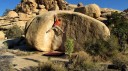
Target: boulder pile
28, 9
36, 17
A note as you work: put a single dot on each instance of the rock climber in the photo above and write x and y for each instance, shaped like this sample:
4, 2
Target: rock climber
56, 25
57, 38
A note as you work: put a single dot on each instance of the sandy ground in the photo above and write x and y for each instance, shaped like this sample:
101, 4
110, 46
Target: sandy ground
21, 62
25, 61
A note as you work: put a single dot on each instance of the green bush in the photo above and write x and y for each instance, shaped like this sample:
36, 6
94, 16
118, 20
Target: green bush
119, 28
118, 40
102, 48
14, 32
69, 46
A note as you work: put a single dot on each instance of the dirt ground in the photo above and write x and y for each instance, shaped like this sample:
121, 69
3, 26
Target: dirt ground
23, 58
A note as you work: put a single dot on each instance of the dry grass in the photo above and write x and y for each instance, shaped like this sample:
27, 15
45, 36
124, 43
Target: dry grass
47, 66
82, 61
5, 63
89, 28
18, 52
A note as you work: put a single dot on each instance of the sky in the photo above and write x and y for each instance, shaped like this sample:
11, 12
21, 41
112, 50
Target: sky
115, 4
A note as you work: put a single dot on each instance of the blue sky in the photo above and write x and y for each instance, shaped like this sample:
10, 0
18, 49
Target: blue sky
115, 4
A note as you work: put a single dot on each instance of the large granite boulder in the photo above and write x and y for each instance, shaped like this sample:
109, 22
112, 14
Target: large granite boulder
81, 28
53, 4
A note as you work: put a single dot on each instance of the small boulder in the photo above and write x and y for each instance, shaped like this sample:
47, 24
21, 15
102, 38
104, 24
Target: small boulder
23, 17
71, 7
2, 18
16, 19
89, 29
62, 4
92, 10
106, 14
42, 11
41, 6
2, 35
56, 6
106, 10
35, 11
12, 14
101, 19
80, 4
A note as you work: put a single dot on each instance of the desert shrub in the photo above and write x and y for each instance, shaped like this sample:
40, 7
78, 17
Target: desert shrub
14, 32
119, 28
3, 50
82, 61
47, 66
5, 63
102, 48
69, 46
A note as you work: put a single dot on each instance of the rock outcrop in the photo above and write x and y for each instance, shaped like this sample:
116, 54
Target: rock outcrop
81, 28
28, 9
2, 35
72, 7
26, 6
23, 17
92, 10
30, 6
12, 18
12, 14
80, 4
107, 12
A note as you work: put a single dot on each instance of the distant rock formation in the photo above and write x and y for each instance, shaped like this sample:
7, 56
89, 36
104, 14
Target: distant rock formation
80, 4
30, 6
80, 27
108, 11
126, 10
105, 10
92, 10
